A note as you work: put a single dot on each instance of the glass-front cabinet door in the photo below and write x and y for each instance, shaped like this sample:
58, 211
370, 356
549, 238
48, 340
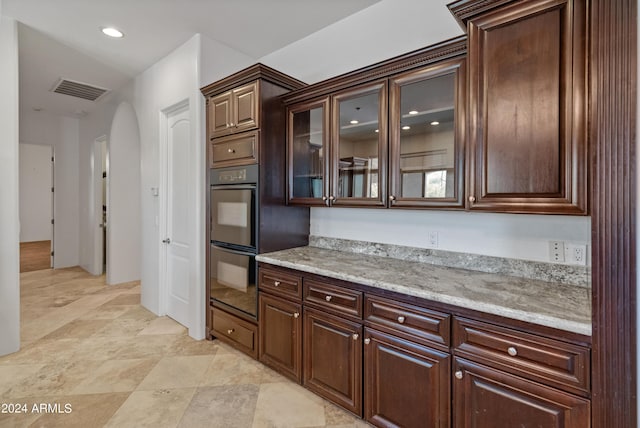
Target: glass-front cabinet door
359, 146
426, 159
308, 151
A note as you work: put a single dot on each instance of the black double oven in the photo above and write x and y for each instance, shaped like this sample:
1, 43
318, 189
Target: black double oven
234, 236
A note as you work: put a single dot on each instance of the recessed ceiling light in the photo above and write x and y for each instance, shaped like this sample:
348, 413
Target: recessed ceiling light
354, 122
435, 122
406, 127
413, 112
112, 32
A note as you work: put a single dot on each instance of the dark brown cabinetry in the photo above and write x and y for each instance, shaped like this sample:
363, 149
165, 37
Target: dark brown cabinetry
246, 201
527, 107
405, 384
338, 148
333, 358
234, 111
427, 134
488, 398
401, 361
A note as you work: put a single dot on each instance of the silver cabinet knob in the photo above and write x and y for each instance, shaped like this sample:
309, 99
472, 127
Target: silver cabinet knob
472, 199
401, 319
458, 374
232, 124
296, 314
166, 241
355, 336
231, 151
230, 331
512, 351
367, 341
328, 298
392, 198
276, 283
332, 198
324, 198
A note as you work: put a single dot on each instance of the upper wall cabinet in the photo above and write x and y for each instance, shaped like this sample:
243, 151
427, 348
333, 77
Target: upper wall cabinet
338, 148
234, 111
426, 166
527, 106
339, 132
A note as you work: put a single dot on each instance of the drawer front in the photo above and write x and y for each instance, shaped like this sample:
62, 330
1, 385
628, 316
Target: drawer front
234, 150
235, 331
333, 298
419, 323
280, 283
549, 361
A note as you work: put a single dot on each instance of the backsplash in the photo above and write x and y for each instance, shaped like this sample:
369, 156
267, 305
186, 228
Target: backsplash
566, 274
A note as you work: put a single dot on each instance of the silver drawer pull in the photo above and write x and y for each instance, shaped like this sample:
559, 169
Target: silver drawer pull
231, 151
296, 314
512, 351
355, 336
328, 298
367, 341
401, 319
276, 283
230, 331
458, 374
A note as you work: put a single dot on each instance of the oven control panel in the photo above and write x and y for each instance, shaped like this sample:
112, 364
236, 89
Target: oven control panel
232, 176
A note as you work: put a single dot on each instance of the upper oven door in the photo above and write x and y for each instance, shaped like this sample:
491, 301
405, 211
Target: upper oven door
233, 214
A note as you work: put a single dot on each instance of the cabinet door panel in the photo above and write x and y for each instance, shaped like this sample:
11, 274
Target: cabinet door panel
359, 146
333, 359
527, 108
308, 151
220, 115
246, 107
427, 129
280, 344
406, 384
487, 398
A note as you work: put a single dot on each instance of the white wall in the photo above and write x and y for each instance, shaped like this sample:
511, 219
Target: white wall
9, 203
380, 32
218, 61
35, 193
123, 197
61, 133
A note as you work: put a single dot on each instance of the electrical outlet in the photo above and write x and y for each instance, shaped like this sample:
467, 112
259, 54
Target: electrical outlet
433, 239
576, 254
556, 251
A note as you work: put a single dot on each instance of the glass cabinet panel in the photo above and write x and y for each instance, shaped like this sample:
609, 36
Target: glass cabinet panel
426, 155
308, 152
359, 134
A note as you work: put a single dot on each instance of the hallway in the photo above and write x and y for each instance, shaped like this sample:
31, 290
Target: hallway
94, 357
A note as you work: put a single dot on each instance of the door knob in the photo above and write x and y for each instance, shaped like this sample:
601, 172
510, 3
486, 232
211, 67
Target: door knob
166, 241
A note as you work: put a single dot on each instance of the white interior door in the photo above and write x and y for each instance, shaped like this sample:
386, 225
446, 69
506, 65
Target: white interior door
100, 165
178, 226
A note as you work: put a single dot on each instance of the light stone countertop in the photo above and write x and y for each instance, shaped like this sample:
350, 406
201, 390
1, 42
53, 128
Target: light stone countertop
552, 304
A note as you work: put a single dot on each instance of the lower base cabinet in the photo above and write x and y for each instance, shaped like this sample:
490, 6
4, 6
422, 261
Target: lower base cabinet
488, 398
280, 336
406, 384
332, 354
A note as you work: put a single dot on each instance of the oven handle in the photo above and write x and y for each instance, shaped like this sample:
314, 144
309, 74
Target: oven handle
229, 250
234, 187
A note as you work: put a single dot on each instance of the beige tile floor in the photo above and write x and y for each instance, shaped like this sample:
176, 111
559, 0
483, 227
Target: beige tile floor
92, 356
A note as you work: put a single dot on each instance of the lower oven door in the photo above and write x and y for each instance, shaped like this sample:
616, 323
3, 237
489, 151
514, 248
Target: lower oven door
232, 279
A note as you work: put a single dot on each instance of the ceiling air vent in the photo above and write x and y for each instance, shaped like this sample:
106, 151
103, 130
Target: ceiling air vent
79, 90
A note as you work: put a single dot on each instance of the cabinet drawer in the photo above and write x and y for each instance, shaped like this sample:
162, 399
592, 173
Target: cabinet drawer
234, 150
549, 361
280, 283
420, 323
333, 298
235, 331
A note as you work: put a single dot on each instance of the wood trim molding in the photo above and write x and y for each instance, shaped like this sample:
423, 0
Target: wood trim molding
613, 98
254, 72
462, 10
448, 49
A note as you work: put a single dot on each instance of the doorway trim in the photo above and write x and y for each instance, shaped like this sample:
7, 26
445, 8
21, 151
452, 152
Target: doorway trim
162, 219
97, 202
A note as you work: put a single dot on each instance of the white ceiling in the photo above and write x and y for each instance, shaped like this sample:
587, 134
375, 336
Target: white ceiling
61, 38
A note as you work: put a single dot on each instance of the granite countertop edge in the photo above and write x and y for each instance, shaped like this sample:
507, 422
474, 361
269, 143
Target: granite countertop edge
487, 307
